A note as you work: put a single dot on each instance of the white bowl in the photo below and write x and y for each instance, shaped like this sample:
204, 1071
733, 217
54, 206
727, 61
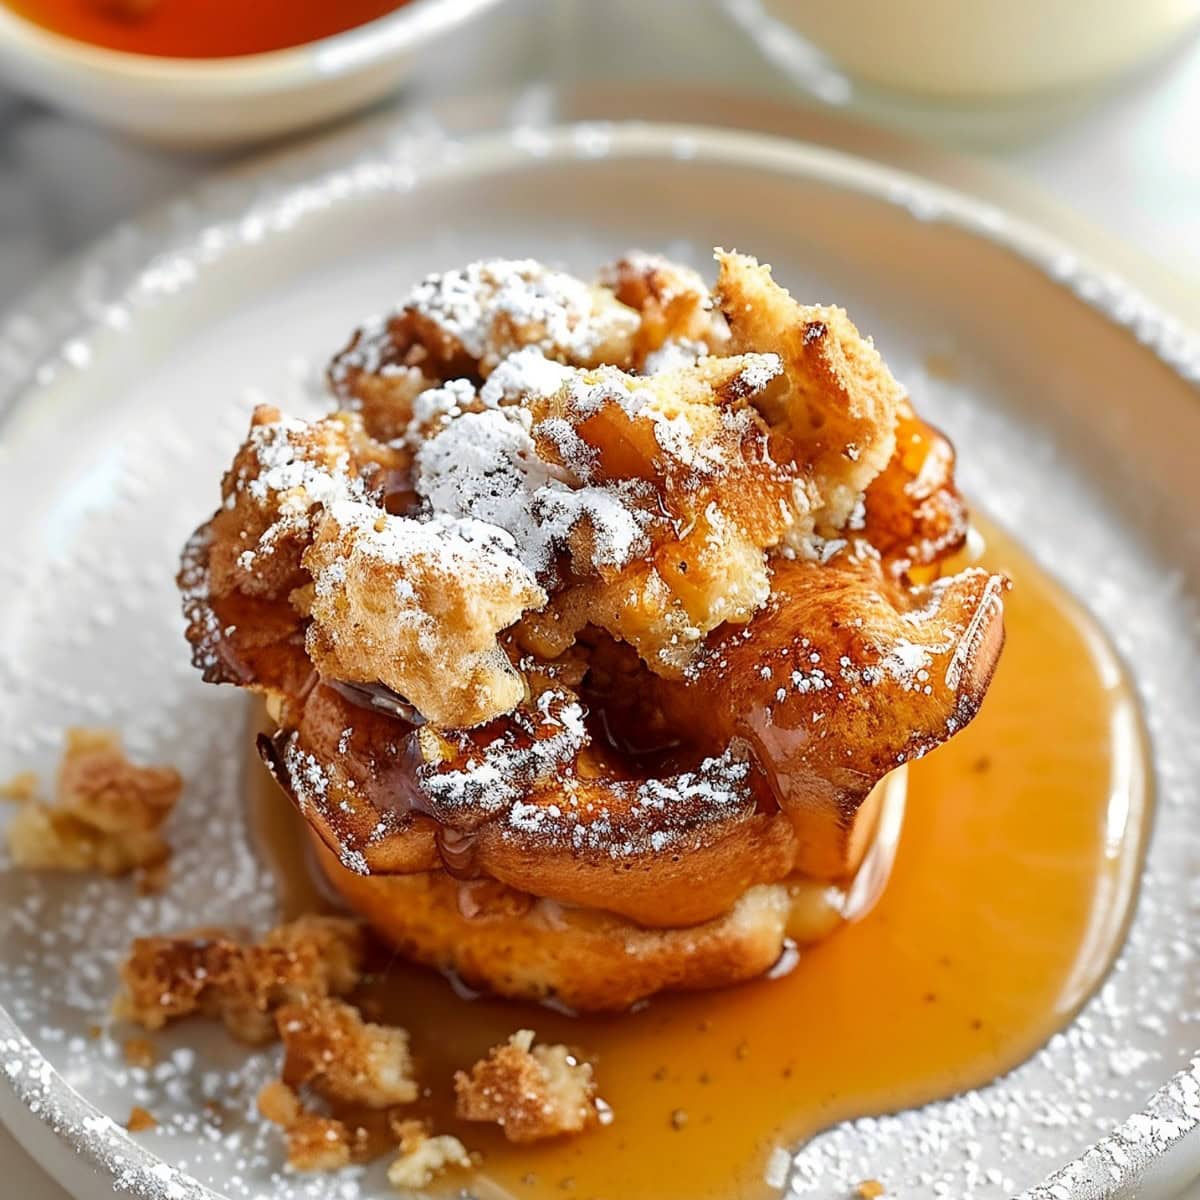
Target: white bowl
221, 102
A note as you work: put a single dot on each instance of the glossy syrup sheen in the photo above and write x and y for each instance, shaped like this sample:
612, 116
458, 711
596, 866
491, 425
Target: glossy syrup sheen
188, 29
1013, 883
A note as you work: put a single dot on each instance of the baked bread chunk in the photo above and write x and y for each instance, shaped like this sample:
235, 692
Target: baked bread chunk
626, 596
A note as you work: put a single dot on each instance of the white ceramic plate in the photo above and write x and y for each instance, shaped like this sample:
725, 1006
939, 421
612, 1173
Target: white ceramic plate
125, 386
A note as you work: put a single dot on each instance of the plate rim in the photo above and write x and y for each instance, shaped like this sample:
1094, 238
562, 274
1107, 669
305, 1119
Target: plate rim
108, 282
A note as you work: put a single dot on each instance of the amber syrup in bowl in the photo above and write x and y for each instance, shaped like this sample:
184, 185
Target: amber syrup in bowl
214, 29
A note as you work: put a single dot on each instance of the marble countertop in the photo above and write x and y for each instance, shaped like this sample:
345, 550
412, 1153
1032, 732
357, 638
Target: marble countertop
1121, 172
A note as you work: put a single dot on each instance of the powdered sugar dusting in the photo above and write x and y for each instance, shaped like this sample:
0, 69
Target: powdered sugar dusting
290, 483
591, 392
527, 372
673, 354
451, 543
525, 778
484, 466
481, 305
433, 407
282, 469
369, 352
492, 780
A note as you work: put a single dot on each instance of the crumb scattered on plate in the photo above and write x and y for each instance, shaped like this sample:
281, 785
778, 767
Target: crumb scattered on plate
531, 1092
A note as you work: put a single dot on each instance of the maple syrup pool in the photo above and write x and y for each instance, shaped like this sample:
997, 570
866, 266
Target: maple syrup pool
1014, 881
186, 29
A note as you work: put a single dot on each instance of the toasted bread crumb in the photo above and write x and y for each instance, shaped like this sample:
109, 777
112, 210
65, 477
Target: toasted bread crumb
317, 1143
423, 1156
869, 1189
21, 787
140, 1120
314, 1142
106, 814
531, 1092
99, 785
278, 1103
213, 975
328, 1045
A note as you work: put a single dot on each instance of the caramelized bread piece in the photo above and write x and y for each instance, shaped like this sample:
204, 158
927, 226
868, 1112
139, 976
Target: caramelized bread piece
423, 1156
642, 505
283, 476
315, 1142
417, 606
674, 304
913, 513
329, 1047
838, 410
514, 802
843, 677
107, 813
462, 324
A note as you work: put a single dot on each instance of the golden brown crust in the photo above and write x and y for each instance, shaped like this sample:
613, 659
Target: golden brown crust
282, 475
531, 1092
315, 1142
651, 501
838, 411
417, 607
913, 512
213, 975
673, 302
462, 324
843, 683
841, 659
692, 439
586, 959
381, 372
633, 847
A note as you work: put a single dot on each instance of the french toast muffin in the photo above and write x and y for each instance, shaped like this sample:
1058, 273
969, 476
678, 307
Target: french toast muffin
597, 620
